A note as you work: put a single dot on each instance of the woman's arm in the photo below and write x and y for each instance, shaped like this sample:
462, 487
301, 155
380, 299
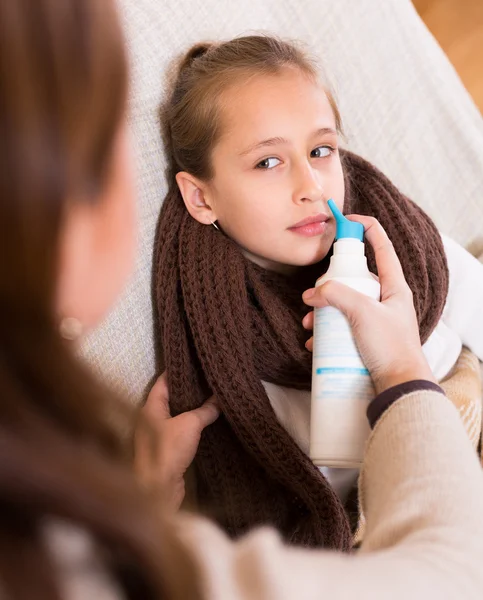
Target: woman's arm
422, 494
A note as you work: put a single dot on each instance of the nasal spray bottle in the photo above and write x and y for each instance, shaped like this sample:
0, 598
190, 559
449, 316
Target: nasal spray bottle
341, 385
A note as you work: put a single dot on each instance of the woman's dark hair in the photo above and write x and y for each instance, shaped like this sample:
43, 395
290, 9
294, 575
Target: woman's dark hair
63, 88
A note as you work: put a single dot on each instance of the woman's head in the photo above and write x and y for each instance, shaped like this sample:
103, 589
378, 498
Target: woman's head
252, 133
66, 197
65, 207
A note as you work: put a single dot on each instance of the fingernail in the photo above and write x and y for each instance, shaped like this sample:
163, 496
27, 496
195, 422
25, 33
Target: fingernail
308, 294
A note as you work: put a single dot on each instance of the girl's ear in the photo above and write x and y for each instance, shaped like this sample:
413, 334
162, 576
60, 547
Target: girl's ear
194, 196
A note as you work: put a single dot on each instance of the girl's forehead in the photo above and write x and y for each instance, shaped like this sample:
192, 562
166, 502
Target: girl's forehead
288, 100
287, 86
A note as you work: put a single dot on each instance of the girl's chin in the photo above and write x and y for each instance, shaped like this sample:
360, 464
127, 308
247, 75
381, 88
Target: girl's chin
288, 264
291, 266
308, 260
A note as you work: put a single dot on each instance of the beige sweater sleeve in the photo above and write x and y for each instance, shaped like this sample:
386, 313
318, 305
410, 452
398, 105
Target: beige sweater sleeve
422, 494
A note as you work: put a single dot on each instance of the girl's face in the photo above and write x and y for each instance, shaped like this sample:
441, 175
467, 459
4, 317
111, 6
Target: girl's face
275, 167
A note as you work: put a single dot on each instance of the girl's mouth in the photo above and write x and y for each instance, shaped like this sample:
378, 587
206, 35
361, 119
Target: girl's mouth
311, 226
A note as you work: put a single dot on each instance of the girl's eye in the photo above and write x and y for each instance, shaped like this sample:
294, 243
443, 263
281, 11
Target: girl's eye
321, 152
268, 163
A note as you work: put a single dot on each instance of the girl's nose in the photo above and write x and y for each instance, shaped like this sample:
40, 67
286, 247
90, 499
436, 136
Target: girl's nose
309, 187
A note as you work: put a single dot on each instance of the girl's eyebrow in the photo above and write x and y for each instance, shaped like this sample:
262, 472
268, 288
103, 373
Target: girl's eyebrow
280, 140
325, 131
269, 142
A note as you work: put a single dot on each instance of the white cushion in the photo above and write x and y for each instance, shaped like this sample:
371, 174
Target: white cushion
403, 107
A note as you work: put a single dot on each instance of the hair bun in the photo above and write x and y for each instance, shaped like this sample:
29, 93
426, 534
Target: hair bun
193, 53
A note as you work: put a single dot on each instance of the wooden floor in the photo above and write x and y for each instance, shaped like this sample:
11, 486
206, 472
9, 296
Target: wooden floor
458, 27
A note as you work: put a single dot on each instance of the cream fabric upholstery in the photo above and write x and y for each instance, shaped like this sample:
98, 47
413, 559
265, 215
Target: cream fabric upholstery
403, 106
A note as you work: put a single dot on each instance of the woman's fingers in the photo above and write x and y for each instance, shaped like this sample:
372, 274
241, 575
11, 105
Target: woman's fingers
207, 413
389, 267
338, 295
177, 442
157, 406
308, 320
157, 403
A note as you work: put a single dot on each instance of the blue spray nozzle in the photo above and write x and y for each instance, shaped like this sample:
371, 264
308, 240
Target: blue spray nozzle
345, 228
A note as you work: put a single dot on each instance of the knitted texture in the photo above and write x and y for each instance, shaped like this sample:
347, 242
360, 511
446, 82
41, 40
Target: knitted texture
414, 235
226, 324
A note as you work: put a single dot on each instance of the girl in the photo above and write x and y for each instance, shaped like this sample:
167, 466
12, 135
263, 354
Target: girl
252, 136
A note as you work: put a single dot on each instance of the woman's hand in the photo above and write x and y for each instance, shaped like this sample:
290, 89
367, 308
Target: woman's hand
164, 463
386, 332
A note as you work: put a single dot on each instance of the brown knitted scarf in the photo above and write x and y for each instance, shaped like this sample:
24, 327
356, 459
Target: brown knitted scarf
226, 324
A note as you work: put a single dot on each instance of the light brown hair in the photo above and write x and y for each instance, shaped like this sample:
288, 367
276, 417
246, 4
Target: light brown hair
191, 117
63, 81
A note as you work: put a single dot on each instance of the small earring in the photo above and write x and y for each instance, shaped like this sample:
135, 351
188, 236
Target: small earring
70, 328
215, 225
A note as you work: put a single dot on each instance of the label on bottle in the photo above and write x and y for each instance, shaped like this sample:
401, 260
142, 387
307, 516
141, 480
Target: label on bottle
341, 391
335, 351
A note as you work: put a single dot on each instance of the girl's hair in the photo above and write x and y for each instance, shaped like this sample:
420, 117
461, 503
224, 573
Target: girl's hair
63, 81
191, 117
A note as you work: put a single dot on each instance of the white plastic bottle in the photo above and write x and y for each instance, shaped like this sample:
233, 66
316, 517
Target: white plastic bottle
341, 385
